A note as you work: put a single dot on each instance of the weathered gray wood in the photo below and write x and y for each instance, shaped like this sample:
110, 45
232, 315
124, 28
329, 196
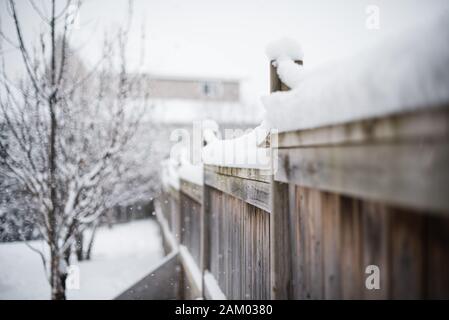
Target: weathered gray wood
263, 175
206, 221
414, 175
331, 216
376, 245
192, 190
253, 192
407, 255
425, 125
162, 283
190, 213
352, 271
280, 242
239, 247
315, 225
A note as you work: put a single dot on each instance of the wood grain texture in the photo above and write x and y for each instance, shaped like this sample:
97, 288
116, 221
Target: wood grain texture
376, 245
407, 254
253, 192
412, 175
190, 212
239, 249
423, 126
262, 175
281, 242
192, 190
331, 219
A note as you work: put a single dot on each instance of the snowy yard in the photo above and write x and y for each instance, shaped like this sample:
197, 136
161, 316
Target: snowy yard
121, 256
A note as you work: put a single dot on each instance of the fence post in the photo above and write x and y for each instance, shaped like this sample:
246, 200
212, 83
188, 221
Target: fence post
281, 240
276, 83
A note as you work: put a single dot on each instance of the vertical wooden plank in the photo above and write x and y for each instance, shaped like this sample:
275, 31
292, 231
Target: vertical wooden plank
253, 264
331, 245
225, 244
221, 226
280, 242
376, 238
214, 259
247, 255
302, 272
352, 274
261, 255
281, 277
268, 256
315, 225
234, 253
407, 235
437, 268
243, 263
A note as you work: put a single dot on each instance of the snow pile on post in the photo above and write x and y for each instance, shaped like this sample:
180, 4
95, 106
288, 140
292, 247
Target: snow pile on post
283, 53
406, 73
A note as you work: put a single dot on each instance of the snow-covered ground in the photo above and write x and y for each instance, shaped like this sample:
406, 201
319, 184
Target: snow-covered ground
121, 256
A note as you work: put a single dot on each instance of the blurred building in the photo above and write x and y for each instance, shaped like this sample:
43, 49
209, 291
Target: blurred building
199, 89
180, 100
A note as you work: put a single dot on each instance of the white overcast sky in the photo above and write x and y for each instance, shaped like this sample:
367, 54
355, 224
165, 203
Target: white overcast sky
228, 37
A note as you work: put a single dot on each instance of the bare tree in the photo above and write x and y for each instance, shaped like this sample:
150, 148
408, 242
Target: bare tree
70, 133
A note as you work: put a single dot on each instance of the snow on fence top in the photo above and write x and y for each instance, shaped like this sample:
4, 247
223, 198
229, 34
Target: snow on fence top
241, 152
179, 167
190, 172
170, 175
406, 73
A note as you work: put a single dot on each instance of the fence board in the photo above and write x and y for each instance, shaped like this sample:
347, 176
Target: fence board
281, 244
242, 258
425, 125
253, 192
331, 245
437, 264
407, 240
413, 175
376, 242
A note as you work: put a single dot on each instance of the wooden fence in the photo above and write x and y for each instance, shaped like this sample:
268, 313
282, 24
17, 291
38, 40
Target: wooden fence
190, 214
343, 198
238, 231
364, 193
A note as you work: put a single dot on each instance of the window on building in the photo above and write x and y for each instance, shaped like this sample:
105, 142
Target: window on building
211, 89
